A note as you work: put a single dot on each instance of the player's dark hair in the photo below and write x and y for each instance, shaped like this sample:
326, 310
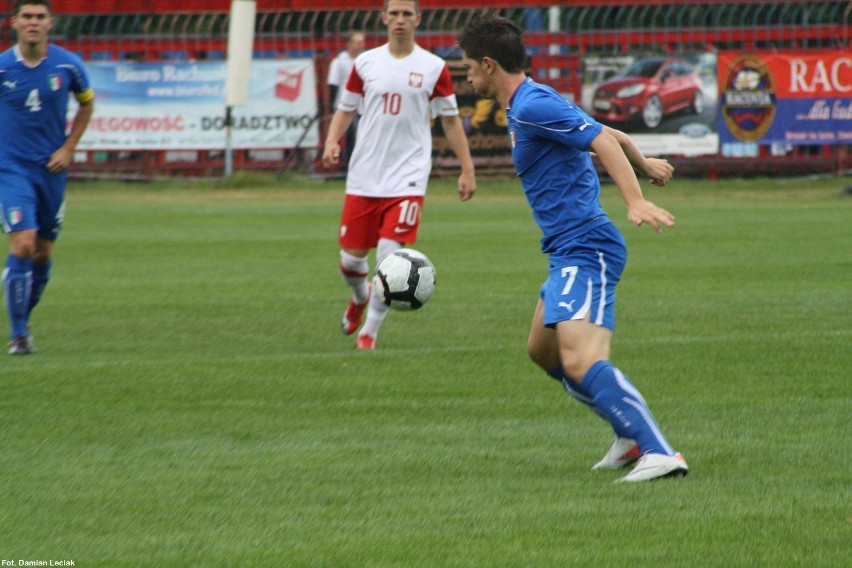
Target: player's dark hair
20, 3
496, 37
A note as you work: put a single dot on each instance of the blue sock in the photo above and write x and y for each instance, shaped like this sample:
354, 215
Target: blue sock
17, 283
575, 390
41, 275
620, 402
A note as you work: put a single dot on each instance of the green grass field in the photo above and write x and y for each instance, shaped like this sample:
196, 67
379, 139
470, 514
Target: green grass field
193, 402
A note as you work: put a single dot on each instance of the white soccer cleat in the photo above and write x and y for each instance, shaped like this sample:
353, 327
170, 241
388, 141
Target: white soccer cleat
22, 346
656, 466
624, 451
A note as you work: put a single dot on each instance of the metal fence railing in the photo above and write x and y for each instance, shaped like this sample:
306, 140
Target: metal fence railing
558, 36
577, 27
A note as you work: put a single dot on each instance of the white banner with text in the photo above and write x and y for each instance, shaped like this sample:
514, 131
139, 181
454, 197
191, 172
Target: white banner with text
181, 106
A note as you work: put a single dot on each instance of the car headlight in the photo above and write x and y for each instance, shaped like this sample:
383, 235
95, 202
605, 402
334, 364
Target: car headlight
630, 91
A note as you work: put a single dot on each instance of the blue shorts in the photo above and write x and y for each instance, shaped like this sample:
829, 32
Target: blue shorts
32, 198
582, 279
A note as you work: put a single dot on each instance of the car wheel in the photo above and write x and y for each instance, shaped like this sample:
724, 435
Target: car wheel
652, 112
698, 103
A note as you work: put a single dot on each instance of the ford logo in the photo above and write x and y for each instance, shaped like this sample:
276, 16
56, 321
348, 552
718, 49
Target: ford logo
694, 130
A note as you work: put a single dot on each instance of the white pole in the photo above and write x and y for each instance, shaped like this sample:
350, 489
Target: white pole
240, 49
553, 26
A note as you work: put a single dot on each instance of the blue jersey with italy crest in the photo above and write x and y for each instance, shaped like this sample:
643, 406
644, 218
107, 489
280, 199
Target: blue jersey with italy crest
34, 103
550, 149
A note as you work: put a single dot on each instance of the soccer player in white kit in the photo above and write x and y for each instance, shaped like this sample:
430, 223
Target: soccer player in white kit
401, 86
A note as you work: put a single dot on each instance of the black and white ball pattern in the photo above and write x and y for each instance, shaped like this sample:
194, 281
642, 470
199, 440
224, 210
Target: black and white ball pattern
405, 279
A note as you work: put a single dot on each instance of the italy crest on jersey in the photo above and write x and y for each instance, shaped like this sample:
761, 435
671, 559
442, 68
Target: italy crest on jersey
54, 82
15, 216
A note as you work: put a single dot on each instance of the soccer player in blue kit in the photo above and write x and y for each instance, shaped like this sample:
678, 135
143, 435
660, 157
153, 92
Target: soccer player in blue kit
574, 318
36, 78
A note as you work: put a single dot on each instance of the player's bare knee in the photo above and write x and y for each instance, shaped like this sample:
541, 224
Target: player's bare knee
22, 246
575, 365
574, 372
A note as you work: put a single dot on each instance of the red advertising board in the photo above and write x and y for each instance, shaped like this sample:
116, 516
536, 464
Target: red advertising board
786, 98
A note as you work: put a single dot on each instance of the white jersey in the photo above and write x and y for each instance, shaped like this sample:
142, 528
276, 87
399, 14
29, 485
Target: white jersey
393, 156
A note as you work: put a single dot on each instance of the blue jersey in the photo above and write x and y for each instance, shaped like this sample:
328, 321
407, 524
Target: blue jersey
550, 148
34, 103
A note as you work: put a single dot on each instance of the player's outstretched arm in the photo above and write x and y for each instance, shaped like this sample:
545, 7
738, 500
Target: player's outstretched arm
454, 131
659, 171
639, 209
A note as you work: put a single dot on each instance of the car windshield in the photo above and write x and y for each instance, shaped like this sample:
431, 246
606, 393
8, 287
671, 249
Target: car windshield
645, 68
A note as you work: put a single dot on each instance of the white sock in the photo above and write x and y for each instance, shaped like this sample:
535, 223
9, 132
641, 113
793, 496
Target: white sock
376, 313
384, 248
355, 270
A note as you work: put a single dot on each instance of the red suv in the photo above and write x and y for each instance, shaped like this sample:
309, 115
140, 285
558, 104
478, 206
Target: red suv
649, 89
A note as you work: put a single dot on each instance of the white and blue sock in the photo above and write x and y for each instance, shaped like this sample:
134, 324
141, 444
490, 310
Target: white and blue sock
620, 402
17, 285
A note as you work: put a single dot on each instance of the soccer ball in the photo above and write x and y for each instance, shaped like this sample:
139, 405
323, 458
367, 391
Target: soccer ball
405, 279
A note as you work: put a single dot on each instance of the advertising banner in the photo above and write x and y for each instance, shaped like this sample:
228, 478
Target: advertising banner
667, 103
786, 98
181, 106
